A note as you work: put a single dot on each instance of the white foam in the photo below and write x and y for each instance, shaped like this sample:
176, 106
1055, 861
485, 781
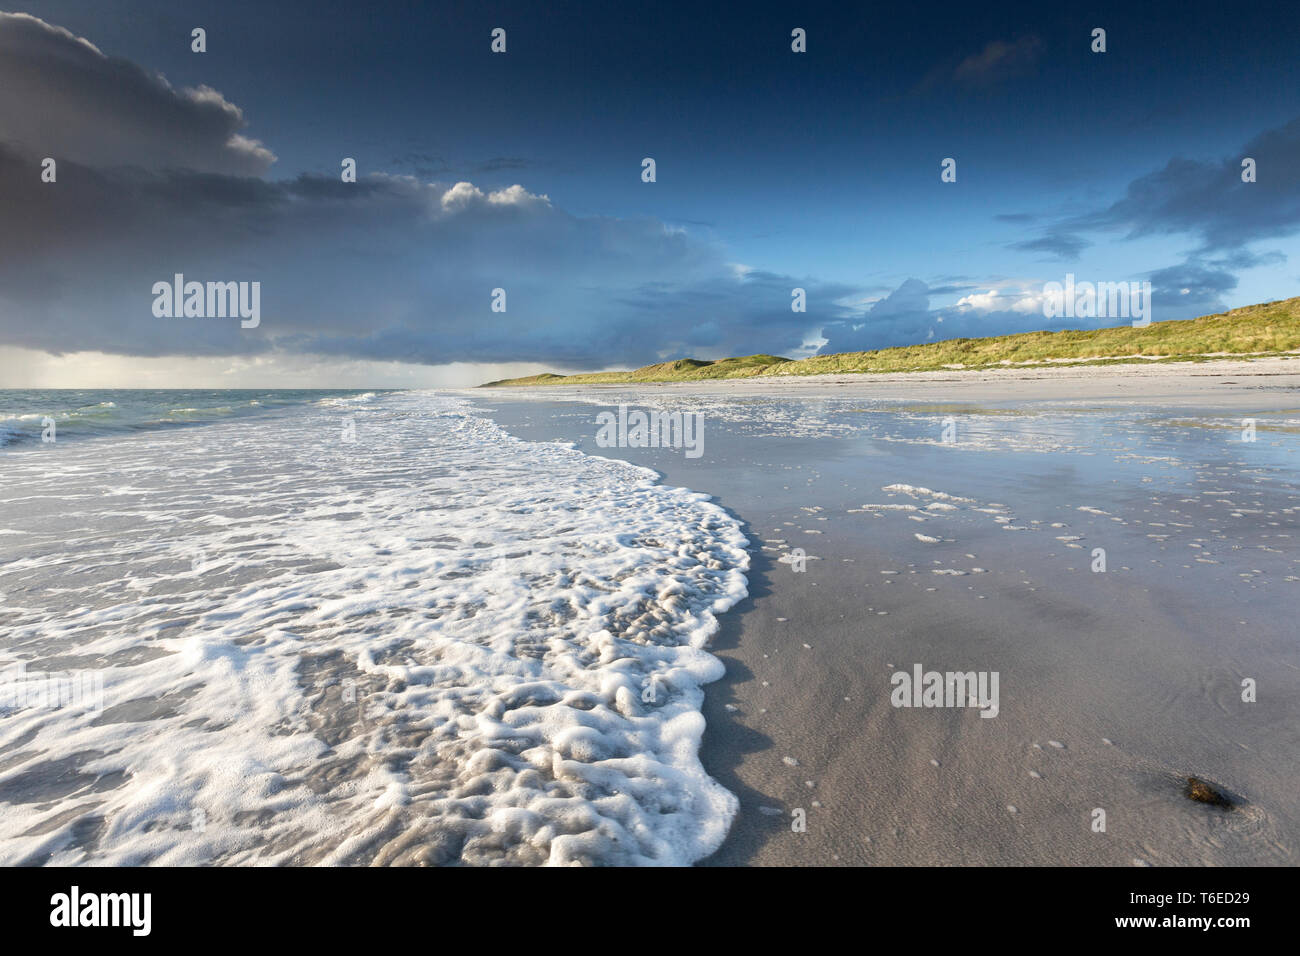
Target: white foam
523, 629
918, 492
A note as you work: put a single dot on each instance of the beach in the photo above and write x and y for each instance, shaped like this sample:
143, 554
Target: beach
979, 554
951, 619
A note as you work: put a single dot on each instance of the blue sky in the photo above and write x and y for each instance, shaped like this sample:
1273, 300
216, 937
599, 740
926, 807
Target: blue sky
774, 170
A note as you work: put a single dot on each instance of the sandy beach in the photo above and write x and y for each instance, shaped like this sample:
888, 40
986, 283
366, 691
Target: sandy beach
960, 619
976, 549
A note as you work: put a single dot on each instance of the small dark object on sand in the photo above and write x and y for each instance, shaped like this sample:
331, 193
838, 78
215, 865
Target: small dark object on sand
1202, 792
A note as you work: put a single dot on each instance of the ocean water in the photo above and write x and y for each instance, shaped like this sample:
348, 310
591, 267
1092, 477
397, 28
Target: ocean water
356, 628
26, 414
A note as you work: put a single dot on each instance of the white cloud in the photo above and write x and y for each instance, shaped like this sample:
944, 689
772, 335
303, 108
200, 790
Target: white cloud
1020, 300
463, 196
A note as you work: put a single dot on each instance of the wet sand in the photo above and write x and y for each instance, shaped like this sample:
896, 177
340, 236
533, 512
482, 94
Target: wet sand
1114, 685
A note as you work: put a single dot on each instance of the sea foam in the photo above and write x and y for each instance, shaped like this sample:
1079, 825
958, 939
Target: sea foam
432, 643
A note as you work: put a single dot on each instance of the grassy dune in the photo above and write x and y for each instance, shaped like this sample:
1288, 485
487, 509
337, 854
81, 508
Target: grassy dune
1272, 328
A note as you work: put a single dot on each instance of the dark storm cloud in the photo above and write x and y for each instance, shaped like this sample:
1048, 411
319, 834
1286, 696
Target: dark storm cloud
61, 97
153, 182
387, 268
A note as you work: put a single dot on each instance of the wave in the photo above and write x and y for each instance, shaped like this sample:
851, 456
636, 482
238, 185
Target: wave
429, 643
25, 415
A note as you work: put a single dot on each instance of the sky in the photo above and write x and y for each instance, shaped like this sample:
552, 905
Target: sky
522, 171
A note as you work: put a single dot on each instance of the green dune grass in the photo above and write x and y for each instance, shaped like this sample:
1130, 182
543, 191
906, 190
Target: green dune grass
1271, 328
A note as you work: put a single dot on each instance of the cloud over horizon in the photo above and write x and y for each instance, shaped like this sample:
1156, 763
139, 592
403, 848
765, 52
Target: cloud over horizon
155, 180
386, 268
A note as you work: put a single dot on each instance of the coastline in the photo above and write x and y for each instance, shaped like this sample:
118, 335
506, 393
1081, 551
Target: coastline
1048, 382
